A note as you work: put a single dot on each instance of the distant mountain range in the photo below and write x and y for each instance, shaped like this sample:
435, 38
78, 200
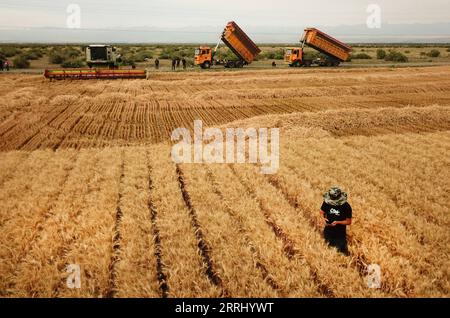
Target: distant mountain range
389, 33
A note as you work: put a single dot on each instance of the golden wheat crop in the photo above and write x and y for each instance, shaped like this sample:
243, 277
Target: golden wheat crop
86, 178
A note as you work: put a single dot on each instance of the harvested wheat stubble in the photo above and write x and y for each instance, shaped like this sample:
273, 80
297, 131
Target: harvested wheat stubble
368, 122
41, 115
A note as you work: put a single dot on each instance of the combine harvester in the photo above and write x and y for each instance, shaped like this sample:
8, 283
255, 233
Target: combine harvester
104, 59
237, 41
334, 50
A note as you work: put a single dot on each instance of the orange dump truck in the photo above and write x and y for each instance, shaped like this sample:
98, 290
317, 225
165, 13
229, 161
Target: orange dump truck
334, 50
237, 41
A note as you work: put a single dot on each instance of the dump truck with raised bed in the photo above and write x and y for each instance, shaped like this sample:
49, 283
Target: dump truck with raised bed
334, 50
237, 41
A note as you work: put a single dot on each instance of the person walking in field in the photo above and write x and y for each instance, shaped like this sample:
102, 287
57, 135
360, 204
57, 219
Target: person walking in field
157, 64
337, 214
183, 61
174, 64
178, 62
1, 65
7, 65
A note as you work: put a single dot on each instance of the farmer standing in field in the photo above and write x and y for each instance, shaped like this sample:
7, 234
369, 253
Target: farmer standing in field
157, 64
174, 64
337, 214
1, 65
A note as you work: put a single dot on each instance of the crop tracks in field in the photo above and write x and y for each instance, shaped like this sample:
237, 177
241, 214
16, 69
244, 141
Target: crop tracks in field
360, 260
117, 238
288, 244
204, 249
160, 268
259, 264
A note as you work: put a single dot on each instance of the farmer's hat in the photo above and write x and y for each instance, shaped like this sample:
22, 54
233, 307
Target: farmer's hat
335, 197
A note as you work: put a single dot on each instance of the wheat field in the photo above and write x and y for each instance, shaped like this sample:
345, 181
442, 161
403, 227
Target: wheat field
86, 178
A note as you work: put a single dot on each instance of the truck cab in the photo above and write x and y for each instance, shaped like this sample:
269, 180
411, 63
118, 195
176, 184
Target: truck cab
203, 57
294, 56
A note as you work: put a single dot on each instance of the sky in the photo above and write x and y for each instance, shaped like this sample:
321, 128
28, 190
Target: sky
107, 14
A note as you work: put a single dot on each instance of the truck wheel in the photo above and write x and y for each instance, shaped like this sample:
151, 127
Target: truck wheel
230, 64
206, 65
239, 64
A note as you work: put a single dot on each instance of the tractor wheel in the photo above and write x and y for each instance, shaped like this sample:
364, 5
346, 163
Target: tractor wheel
297, 64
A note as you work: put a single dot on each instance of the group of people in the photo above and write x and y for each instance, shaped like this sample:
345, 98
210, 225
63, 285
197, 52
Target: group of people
176, 63
4, 65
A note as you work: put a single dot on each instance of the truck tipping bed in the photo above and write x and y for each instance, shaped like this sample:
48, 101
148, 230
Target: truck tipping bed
239, 43
326, 44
